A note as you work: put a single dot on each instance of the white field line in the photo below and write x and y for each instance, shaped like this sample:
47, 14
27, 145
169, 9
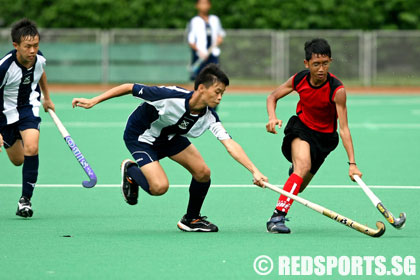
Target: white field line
261, 125
214, 186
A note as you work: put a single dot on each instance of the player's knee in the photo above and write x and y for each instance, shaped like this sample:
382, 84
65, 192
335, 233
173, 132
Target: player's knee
203, 174
31, 150
159, 188
302, 168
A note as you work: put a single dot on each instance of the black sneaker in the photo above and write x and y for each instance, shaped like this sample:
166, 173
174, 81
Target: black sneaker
291, 169
199, 224
24, 207
276, 225
129, 187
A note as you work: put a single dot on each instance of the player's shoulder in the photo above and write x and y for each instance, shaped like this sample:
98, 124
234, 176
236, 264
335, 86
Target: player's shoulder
334, 81
174, 91
40, 53
213, 113
155, 93
6, 60
298, 77
40, 56
214, 17
196, 20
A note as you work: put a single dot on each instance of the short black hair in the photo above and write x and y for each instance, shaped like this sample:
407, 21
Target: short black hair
317, 46
210, 75
22, 29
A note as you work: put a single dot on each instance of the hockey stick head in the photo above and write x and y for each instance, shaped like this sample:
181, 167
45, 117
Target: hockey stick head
92, 176
380, 231
89, 184
397, 223
82, 161
400, 222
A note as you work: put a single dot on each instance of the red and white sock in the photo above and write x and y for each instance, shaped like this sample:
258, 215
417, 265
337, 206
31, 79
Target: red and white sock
292, 185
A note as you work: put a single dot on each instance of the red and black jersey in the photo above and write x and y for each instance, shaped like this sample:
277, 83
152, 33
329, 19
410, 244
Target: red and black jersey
316, 107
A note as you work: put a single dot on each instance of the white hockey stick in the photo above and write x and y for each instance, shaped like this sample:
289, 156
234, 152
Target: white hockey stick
397, 223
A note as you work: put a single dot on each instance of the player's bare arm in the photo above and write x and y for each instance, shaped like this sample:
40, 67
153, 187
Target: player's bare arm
219, 40
47, 103
340, 101
280, 92
113, 92
236, 151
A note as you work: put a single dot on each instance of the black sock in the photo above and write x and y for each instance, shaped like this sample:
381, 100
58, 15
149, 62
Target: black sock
29, 175
135, 173
198, 192
277, 213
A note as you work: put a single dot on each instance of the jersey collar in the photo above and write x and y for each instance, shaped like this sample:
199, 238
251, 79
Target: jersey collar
320, 86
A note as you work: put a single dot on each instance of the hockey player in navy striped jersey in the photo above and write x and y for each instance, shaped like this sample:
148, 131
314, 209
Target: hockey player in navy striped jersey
159, 128
22, 78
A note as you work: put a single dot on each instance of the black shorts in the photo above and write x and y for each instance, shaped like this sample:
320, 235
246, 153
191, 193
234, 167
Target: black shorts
321, 143
11, 132
144, 153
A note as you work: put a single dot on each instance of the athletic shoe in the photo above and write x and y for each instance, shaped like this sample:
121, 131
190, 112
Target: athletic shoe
24, 207
276, 225
291, 169
129, 188
199, 224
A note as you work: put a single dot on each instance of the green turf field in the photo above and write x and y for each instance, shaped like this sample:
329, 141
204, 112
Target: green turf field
112, 240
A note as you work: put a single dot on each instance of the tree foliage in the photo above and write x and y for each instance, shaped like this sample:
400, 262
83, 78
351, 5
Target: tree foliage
252, 14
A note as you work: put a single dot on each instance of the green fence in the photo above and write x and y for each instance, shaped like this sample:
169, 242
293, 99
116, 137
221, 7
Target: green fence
248, 56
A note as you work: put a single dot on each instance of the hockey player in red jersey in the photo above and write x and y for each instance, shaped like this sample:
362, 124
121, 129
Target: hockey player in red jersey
311, 134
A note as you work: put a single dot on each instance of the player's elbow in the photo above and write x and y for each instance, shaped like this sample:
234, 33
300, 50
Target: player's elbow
271, 98
344, 132
127, 87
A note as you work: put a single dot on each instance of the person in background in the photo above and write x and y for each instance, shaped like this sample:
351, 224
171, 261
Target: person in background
205, 35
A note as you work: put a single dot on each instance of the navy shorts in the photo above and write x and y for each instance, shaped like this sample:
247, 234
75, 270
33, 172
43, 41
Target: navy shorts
11, 132
321, 144
144, 153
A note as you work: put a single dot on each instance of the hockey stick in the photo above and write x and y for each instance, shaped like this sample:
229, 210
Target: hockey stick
397, 223
76, 152
194, 67
331, 214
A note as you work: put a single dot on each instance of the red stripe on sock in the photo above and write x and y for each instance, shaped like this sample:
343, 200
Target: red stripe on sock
292, 185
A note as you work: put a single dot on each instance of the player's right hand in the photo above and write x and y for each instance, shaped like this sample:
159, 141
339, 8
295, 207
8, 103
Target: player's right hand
1, 142
353, 170
259, 179
271, 125
202, 55
83, 102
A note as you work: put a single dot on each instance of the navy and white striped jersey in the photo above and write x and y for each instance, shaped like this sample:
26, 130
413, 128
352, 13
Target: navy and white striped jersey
165, 113
19, 90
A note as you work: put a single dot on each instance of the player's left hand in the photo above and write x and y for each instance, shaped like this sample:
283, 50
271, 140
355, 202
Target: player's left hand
48, 104
353, 170
259, 179
271, 125
83, 102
